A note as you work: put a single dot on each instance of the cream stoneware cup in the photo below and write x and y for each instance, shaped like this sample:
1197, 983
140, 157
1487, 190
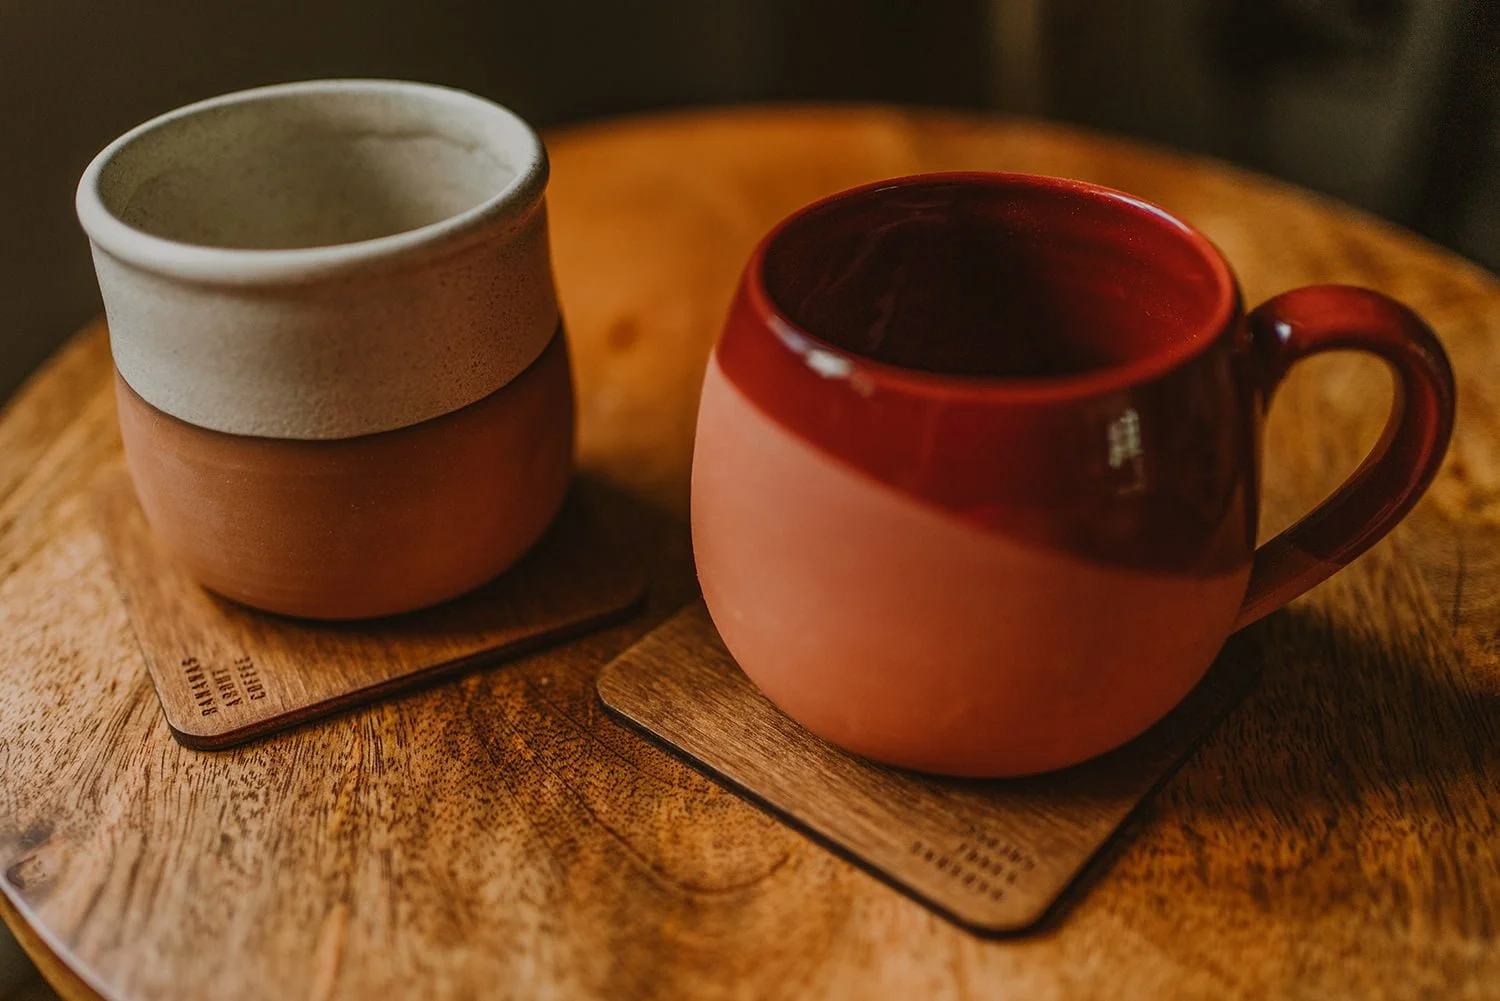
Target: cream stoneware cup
343, 384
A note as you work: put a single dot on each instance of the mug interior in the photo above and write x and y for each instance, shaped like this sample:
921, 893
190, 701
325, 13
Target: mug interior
996, 275
299, 167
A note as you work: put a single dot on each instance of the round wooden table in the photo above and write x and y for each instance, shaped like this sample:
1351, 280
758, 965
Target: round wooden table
1338, 836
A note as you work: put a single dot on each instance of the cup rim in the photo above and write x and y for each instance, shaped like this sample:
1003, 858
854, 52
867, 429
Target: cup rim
833, 362
261, 266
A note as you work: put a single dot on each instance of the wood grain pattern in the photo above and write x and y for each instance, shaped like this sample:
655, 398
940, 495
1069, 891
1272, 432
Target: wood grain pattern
1337, 837
993, 855
225, 674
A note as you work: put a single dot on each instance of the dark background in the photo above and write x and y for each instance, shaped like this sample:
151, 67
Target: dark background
1393, 105
1390, 104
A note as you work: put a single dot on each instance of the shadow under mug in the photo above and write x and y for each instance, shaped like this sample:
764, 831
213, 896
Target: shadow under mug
976, 477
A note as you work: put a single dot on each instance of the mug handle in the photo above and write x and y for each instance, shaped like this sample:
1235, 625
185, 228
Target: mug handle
1309, 321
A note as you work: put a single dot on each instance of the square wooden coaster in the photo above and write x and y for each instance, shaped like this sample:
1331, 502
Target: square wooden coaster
225, 674
993, 855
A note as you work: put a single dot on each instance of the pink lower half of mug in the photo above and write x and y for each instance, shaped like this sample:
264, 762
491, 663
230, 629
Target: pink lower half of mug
366, 526
894, 629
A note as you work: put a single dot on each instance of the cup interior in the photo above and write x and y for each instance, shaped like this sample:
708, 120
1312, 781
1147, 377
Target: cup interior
313, 166
996, 275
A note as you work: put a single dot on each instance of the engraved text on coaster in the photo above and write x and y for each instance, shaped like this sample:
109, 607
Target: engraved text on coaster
991, 854
225, 673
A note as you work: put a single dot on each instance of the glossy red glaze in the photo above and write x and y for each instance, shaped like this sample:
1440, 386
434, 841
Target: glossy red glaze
976, 480
1142, 453
1319, 318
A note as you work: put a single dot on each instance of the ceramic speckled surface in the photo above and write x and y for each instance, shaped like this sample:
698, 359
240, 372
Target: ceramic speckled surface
323, 260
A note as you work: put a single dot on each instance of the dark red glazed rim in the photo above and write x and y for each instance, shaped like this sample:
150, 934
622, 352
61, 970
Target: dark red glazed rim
1000, 389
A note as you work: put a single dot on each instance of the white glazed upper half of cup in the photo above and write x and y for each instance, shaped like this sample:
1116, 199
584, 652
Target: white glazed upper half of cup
325, 259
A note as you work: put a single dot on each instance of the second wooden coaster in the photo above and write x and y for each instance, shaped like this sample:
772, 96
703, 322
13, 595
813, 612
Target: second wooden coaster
225, 674
993, 855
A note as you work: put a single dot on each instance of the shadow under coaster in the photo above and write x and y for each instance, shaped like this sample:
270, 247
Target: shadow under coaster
226, 674
993, 854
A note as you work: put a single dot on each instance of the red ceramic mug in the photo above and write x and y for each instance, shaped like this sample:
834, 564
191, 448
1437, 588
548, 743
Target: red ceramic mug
976, 476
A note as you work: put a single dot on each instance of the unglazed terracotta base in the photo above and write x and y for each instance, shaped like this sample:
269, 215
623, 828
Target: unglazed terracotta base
896, 630
364, 526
